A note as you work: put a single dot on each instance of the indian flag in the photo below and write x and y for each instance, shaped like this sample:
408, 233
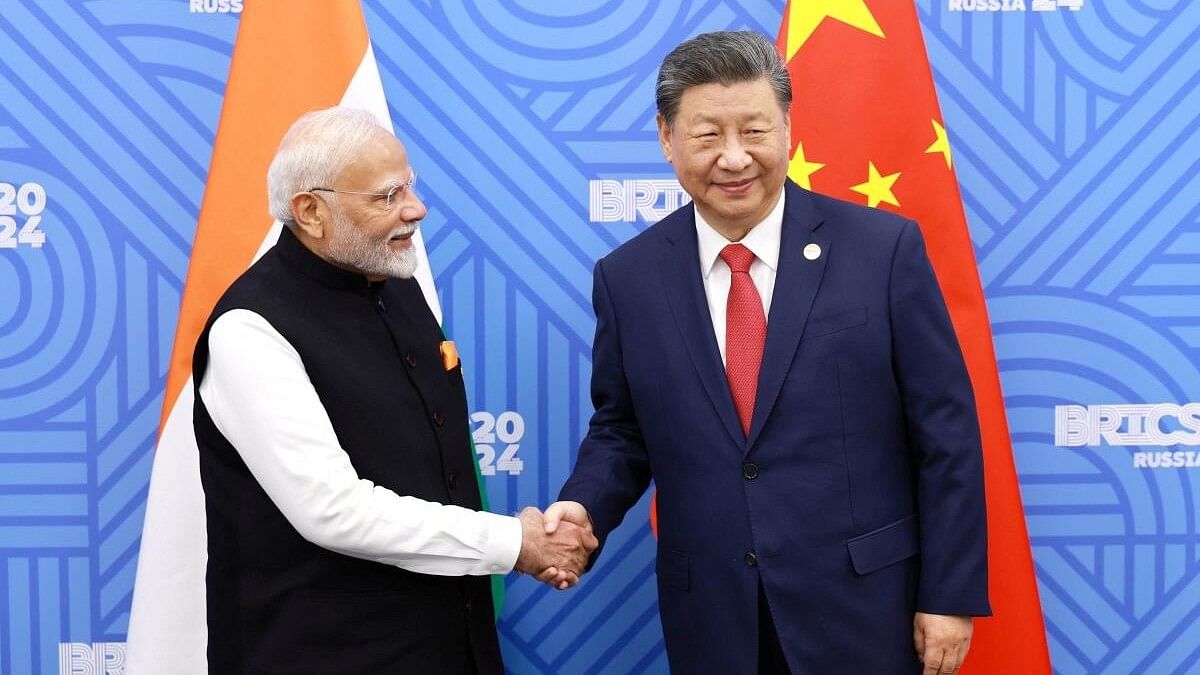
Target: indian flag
289, 58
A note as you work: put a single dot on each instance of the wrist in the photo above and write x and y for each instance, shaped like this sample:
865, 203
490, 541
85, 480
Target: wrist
531, 532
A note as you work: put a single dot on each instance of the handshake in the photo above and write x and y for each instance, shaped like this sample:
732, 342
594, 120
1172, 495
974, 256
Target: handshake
556, 545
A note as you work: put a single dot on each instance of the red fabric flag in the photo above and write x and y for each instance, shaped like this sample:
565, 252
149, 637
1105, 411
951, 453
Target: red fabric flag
866, 127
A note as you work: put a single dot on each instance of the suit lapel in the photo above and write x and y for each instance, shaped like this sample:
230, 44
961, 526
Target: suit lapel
684, 285
796, 282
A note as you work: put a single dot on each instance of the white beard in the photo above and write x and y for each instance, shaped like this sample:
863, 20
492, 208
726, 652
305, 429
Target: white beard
351, 247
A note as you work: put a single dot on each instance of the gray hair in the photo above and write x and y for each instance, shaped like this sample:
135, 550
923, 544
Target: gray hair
725, 57
318, 146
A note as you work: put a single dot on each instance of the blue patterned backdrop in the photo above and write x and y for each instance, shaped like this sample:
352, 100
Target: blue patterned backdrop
1077, 141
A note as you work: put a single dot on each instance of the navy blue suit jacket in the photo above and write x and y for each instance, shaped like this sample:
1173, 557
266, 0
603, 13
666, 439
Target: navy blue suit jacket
857, 498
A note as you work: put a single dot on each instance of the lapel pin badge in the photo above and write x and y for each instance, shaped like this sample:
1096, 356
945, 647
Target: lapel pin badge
812, 252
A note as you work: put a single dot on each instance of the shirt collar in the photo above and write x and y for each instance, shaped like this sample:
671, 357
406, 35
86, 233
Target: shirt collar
762, 239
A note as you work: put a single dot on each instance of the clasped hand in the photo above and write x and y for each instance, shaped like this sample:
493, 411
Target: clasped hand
556, 545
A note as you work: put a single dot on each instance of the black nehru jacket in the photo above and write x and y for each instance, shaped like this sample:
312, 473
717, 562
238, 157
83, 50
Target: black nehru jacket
279, 604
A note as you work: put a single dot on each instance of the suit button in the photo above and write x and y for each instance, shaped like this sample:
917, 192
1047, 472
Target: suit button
438, 419
750, 471
751, 559
453, 480
379, 303
410, 360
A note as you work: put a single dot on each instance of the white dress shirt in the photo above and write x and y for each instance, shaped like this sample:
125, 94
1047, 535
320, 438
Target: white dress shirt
260, 398
763, 241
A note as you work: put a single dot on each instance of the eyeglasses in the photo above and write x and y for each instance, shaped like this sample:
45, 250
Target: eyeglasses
385, 199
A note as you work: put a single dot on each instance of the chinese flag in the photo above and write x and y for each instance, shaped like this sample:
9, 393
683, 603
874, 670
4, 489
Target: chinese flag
866, 127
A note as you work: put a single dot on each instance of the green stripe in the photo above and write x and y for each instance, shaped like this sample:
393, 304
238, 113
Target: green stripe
497, 579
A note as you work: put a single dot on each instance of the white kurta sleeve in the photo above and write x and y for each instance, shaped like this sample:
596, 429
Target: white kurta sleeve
260, 398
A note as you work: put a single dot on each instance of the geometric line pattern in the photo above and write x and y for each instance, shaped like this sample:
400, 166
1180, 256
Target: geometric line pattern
1075, 136
112, 108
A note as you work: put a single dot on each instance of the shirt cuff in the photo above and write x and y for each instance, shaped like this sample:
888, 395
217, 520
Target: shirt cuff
503, 543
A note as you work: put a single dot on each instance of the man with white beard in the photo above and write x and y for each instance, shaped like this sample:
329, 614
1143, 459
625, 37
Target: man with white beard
345, 533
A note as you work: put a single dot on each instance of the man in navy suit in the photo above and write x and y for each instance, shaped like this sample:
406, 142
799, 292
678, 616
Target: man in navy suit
783, 367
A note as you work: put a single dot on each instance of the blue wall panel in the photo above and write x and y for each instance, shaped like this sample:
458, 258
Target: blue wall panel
1077, 142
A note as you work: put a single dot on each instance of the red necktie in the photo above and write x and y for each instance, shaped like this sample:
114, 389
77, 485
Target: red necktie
745, 332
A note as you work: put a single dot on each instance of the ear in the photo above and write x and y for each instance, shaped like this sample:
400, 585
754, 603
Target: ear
664, 135
310, 214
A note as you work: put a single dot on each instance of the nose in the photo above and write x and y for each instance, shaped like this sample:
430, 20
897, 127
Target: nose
412, 208
733, 157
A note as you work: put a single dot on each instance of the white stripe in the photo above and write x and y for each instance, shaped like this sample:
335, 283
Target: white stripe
168, 629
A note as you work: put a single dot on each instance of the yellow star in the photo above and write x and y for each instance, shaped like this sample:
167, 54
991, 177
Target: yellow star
806, 15
878, 188
800, 169
941, 144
